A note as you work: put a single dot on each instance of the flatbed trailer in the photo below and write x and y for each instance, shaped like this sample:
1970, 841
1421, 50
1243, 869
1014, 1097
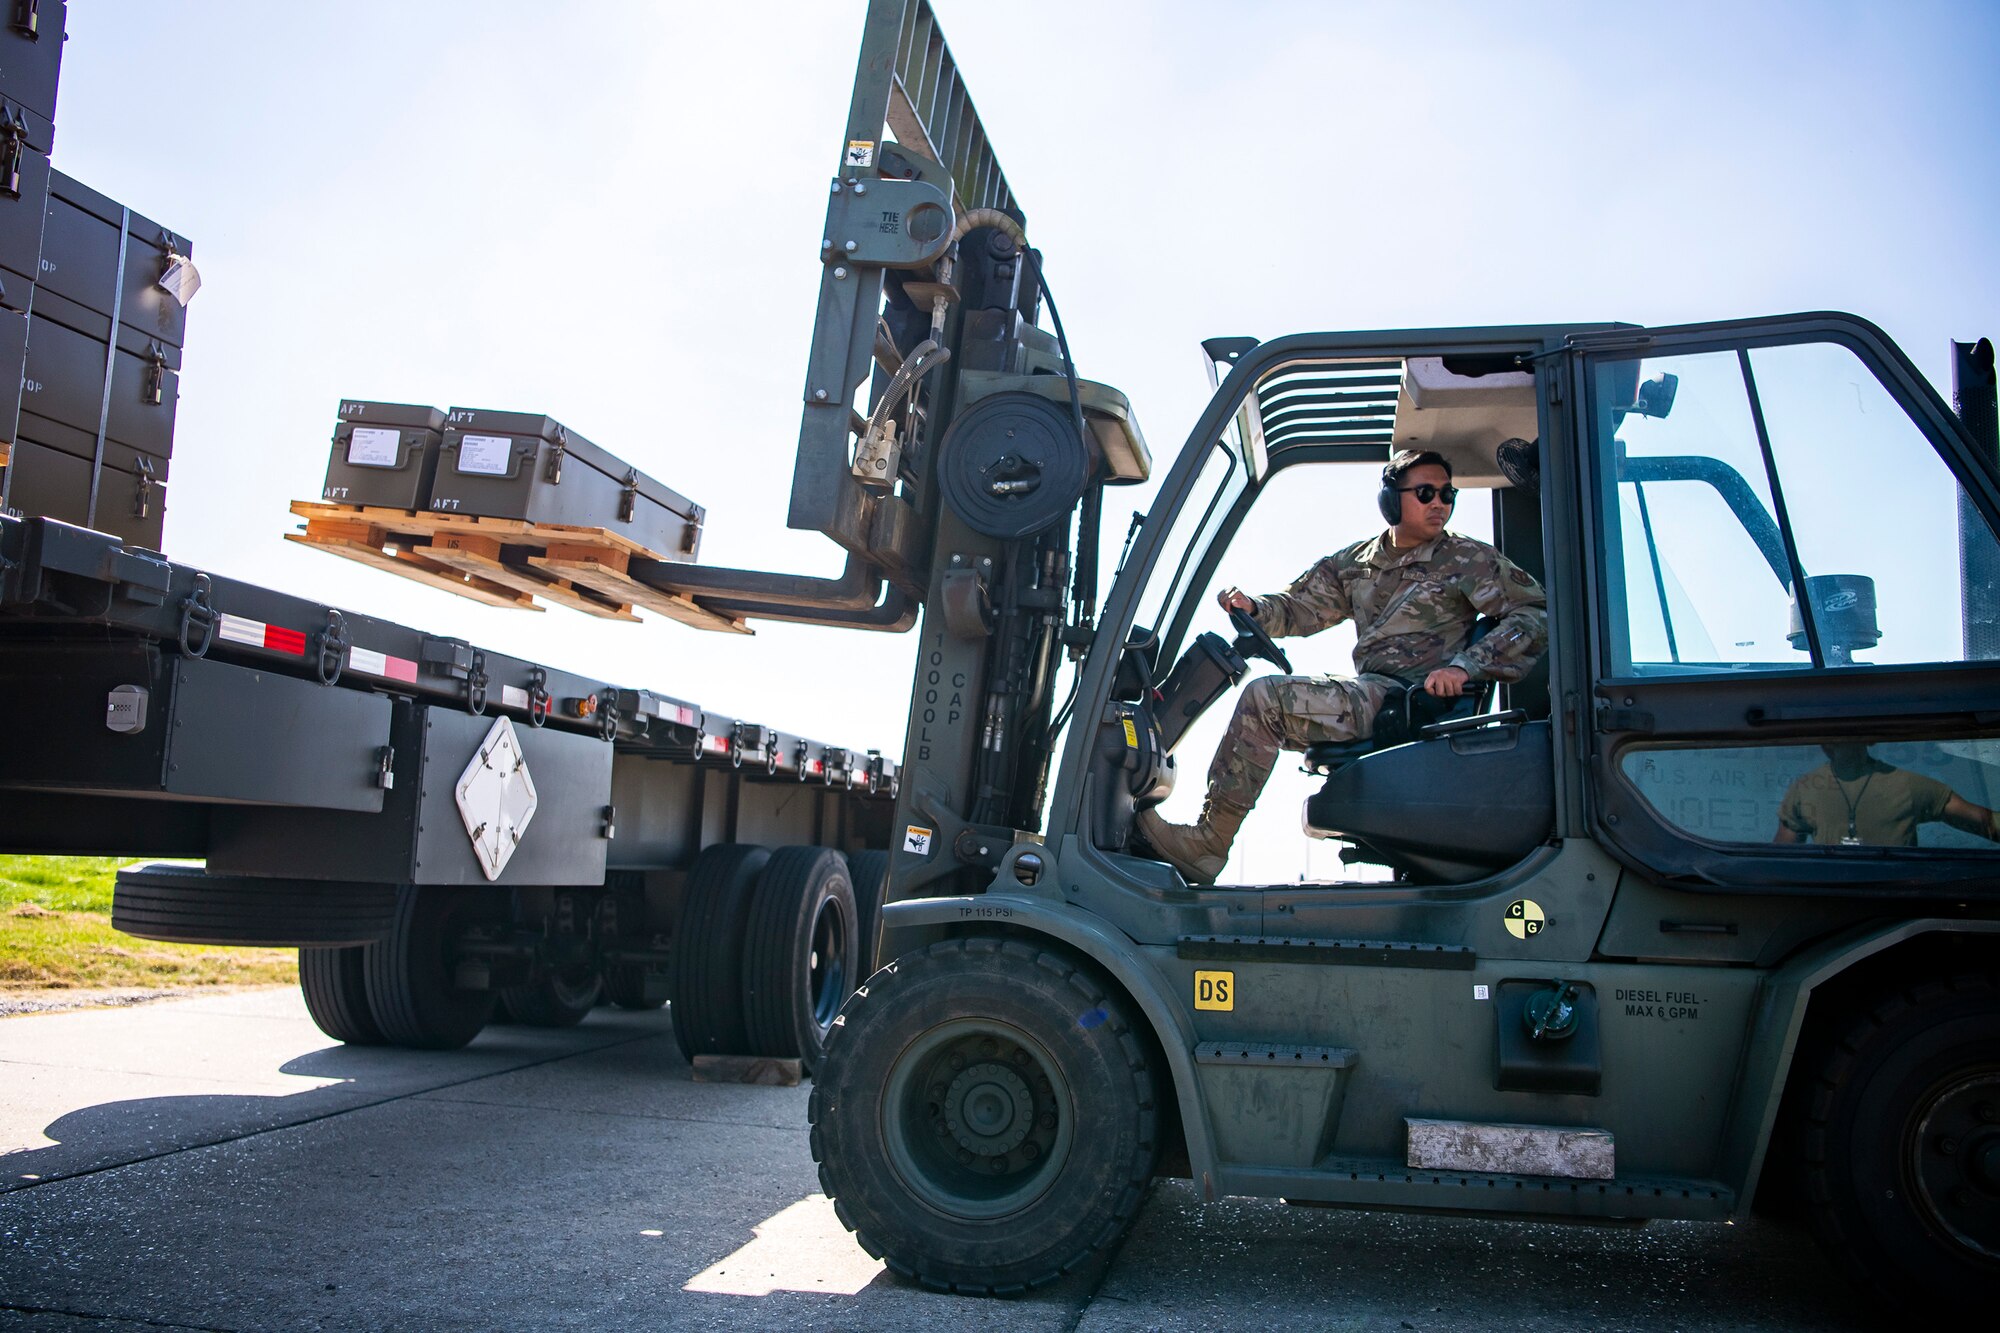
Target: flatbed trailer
312, 757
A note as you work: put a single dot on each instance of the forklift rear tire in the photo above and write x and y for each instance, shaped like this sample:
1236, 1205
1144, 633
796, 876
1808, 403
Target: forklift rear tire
411, 988
985, 1119
869, 872
558, 1000
707, 989
1901, 1147
335, 985
800, 953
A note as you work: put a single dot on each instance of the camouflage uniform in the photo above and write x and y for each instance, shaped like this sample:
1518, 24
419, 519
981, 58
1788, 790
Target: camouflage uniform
1413, 611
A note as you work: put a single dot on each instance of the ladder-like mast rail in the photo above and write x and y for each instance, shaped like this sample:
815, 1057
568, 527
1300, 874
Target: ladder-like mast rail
906, 84
915, 162
930, 112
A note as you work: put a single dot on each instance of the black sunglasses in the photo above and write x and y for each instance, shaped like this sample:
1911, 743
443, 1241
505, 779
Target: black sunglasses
1427, 493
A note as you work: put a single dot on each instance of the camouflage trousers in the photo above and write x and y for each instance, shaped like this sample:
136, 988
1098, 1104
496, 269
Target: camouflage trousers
1289, 713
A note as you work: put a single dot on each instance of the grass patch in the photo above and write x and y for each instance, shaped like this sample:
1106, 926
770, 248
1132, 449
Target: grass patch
59, 883
55, 932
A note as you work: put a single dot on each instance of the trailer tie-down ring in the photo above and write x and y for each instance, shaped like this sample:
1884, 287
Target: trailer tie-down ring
540, 701
476, 682
332, 648
197, 610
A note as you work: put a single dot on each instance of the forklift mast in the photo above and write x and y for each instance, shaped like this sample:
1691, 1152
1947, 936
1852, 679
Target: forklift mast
970, 485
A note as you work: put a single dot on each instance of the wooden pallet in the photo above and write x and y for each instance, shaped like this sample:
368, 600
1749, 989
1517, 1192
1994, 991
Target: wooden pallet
502, 562
605, 572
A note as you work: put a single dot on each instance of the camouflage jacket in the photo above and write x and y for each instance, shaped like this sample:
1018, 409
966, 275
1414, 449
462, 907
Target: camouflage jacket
1413, 609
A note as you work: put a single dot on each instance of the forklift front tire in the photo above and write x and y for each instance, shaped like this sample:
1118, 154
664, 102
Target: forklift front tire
985, 1119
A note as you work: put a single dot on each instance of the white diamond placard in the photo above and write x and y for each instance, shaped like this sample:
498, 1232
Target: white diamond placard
496, 798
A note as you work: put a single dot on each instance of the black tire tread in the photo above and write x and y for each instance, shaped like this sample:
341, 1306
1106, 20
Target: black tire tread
334, 983
405, 1007
625, 986
777, 988
707, 980
1131, 1190
179, 904
1819, 1151
536, 1005
868, 872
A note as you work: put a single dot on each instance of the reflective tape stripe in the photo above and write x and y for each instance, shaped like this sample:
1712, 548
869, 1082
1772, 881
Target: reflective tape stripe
370, 663
257, 634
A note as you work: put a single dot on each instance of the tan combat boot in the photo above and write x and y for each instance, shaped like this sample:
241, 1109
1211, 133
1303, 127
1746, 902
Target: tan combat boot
1198, 850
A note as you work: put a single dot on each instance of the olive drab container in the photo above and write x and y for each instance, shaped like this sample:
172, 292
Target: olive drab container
31, 42
519, 465
101, 379
384, 455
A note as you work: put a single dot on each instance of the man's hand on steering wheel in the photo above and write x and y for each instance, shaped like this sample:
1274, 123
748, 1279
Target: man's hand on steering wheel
1447, 682
1253, 640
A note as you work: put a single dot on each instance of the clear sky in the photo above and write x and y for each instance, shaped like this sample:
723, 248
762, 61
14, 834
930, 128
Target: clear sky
610, 212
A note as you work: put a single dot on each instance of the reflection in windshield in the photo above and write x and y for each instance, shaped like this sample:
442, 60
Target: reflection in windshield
1937, 794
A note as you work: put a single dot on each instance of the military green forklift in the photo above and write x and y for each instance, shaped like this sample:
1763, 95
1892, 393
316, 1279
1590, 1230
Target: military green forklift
1586, 954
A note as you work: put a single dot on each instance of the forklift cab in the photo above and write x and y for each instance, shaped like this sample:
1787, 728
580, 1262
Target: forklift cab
1771, 538
1442, 792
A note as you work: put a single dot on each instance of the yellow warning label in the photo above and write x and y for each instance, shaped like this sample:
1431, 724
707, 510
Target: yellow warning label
1524, 918
1131, 735
1215, 990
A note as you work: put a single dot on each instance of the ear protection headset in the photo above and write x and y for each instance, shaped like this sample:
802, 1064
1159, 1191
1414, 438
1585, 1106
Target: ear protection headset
1389, 499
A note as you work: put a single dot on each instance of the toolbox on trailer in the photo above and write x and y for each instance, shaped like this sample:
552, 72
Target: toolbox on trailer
519, 465
124, 718
384, 455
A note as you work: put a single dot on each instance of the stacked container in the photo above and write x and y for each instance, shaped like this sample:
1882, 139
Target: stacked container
96, 318
30, 61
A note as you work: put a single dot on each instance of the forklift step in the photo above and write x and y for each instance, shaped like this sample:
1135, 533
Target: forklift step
1569, 1152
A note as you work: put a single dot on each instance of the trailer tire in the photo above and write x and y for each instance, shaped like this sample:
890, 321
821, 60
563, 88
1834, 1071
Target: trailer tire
559, 1000
869, 873
335, 985
181, 904
411, 989
1901, 1147
625, 986
707, 989
800, 956
986, 1118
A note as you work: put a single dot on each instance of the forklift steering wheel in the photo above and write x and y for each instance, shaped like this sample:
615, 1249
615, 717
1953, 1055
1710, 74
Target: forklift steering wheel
1253, 641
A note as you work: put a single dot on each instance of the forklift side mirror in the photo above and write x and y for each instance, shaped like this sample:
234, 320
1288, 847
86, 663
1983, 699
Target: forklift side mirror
1656, 395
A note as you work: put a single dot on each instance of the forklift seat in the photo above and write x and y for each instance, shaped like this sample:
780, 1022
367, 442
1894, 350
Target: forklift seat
1401, 719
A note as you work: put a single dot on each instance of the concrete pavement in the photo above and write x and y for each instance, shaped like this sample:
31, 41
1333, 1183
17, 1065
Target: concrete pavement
216, 1163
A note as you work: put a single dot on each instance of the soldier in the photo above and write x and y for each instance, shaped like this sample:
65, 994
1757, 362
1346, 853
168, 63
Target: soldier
1413, 593
1855, 800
